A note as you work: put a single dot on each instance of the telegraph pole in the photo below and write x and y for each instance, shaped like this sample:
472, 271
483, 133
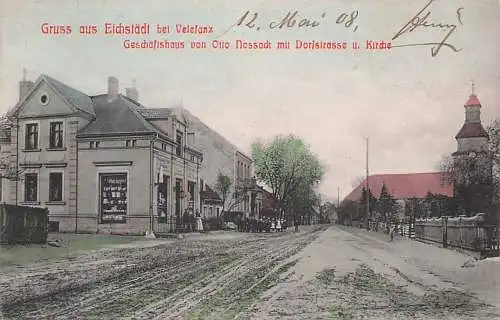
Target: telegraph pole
338, 197
367, 187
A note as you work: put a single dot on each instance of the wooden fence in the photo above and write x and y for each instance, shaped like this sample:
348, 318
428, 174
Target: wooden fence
462, 232
21, 224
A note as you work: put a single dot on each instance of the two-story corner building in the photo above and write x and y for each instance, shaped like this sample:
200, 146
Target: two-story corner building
220, 155
103, 163
43, 147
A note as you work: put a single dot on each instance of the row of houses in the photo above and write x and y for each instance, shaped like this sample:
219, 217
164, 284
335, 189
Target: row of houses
107, 163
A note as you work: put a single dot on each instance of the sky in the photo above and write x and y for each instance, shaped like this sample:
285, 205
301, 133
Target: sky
409, 103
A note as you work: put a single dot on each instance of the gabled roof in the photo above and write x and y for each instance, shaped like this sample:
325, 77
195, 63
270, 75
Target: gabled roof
191, 119
119, 116
209, 194
472, 130
76, 99
405, 186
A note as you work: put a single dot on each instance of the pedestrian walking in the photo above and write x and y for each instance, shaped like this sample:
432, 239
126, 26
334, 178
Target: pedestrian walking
296, 225
278, 225
392, 233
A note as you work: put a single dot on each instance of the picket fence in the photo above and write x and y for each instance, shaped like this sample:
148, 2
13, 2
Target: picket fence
468, 233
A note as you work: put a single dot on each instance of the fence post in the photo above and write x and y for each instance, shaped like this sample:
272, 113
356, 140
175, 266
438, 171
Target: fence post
445, 231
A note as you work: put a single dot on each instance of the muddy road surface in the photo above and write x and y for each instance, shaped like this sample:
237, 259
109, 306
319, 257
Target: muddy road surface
193, 278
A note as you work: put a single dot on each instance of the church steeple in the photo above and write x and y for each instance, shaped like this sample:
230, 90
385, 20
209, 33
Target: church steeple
472, 136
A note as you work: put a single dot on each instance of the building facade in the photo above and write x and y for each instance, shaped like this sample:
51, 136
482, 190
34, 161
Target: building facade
100, 163
221, 156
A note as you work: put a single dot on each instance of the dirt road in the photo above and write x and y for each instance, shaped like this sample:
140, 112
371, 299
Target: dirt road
318, 273
349, 273
198, 277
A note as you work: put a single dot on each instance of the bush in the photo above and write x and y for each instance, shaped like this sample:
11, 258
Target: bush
213, 223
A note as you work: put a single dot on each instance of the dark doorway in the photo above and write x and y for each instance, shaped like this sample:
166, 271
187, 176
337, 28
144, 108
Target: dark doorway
178, 190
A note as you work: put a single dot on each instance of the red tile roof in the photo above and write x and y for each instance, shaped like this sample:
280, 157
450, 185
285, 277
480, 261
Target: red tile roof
472, 130
405, 186
473, 101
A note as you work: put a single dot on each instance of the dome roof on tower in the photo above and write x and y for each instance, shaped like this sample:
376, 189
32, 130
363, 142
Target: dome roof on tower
473, 101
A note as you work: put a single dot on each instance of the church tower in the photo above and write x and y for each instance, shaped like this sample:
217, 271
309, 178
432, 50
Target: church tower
472, 139
472, 165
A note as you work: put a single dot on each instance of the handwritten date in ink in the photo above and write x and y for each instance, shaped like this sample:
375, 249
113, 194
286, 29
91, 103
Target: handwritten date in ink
422, 20
291, 20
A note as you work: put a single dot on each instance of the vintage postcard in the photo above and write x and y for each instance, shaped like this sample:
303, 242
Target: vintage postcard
249, 159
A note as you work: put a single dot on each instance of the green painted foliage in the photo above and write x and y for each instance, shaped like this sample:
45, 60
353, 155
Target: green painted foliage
287, 165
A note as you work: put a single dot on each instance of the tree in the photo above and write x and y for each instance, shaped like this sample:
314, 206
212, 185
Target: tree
223, 187
386, 204
347, 212
289, 168
8, 169
372, 202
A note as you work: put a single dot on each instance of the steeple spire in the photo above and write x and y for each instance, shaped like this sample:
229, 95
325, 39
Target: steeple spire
473, 87
24, 74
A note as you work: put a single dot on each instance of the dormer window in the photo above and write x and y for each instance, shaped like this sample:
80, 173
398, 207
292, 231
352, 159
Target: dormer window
130, 143
94, 144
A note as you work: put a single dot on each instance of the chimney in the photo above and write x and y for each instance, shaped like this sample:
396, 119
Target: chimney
25, 86
132, 93
112, 89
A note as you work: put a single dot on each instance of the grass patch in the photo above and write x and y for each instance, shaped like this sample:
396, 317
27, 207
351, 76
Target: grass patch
366, 290
326, 276
71, 245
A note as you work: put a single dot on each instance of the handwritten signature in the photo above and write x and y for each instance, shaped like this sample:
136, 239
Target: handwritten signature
422, 20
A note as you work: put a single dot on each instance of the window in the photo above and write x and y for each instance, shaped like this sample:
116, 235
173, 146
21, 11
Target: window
94, 144
163, 199
178, 139
113, 197
55, 186
56, 135
30, 187
44, 99
130, 143
31, 137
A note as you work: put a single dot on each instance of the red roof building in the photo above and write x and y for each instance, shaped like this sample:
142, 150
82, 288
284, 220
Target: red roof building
405, 186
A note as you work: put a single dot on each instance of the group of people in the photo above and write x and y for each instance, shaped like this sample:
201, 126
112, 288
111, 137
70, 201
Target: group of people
264, 224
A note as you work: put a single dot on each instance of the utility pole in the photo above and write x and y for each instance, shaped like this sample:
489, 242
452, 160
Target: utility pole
367, 187
338, 197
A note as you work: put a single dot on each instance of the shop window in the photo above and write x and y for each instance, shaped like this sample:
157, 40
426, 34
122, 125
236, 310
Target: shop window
113, 197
